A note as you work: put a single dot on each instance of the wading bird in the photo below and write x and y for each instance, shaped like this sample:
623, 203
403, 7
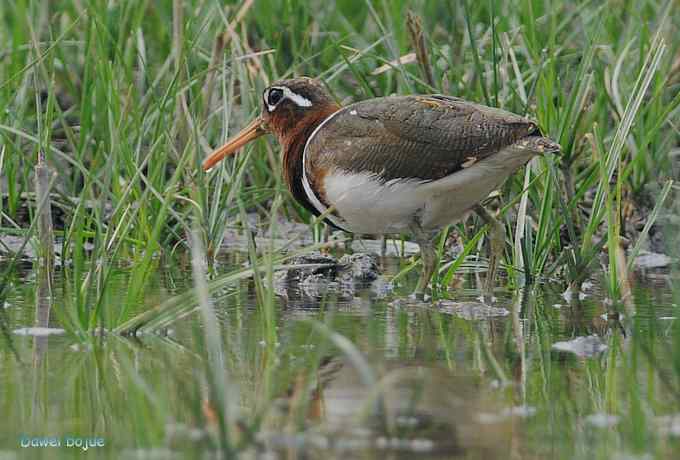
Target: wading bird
393, 165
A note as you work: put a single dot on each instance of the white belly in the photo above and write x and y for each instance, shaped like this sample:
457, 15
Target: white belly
369, 206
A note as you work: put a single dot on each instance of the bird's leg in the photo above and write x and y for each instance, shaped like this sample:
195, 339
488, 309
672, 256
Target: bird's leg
349, 241
429, 257
496, 242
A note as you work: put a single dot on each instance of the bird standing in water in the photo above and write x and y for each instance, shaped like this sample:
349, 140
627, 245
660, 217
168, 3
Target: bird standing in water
393, 165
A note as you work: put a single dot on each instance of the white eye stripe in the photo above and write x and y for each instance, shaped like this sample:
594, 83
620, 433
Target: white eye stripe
298, 100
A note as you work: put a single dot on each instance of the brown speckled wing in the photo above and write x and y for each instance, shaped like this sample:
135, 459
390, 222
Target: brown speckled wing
423, 137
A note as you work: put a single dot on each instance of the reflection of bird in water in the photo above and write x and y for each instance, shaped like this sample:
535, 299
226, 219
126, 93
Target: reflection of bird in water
409, 409
307, 390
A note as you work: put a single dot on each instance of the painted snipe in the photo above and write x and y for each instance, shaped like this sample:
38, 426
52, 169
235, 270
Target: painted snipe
393, 165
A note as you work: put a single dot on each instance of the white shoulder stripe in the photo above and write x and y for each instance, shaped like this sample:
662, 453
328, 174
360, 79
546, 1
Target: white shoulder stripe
318, 205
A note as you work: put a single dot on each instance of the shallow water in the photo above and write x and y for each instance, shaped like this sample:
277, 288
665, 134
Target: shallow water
452, 380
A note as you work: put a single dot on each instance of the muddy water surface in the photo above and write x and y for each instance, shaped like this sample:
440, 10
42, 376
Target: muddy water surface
333, 367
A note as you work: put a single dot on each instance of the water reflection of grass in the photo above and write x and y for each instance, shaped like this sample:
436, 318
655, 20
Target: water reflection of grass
125, 99
493, 383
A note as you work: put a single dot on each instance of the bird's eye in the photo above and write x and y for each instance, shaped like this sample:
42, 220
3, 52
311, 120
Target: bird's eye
274, 96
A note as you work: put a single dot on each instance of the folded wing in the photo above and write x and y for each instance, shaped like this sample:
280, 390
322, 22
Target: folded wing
414, 137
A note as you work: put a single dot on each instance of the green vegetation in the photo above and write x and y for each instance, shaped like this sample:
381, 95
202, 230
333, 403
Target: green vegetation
124, 99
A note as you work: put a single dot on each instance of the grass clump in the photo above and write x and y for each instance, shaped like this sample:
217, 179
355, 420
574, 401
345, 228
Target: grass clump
127, 99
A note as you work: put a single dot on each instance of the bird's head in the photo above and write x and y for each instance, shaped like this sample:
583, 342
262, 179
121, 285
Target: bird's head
288, 107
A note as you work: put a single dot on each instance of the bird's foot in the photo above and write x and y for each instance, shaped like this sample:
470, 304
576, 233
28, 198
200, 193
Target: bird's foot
487, 297
473, 311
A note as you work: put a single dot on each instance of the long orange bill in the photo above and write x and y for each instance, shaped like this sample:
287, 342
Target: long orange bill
251, 132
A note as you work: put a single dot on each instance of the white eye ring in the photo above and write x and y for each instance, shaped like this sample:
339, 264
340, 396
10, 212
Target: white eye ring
273, 96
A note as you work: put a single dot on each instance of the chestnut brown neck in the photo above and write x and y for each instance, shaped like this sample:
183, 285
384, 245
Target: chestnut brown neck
293, 144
